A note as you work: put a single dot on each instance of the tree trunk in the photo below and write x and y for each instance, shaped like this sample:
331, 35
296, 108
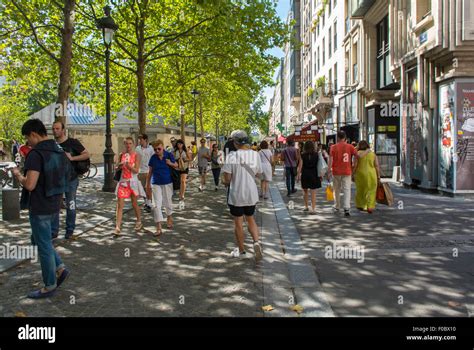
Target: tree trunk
200, 118
65, 61
182, 112
141, 96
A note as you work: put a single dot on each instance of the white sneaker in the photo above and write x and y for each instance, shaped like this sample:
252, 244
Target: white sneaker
235, 253
257, 249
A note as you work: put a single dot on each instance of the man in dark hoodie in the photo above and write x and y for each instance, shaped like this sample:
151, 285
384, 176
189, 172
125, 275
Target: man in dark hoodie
47, 172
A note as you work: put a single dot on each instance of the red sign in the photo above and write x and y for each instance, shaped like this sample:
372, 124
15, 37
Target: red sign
304, 137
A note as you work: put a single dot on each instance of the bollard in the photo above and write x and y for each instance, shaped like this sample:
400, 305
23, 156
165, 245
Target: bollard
10, 204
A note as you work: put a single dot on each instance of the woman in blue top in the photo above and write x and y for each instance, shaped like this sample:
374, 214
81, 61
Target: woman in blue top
160, 183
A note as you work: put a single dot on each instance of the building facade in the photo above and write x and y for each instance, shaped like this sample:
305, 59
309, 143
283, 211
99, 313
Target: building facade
399, 74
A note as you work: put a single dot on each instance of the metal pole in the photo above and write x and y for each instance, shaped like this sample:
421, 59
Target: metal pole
200, 115
109, 185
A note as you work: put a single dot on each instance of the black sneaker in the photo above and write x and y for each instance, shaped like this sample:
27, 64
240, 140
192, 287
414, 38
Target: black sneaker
288, 194
147, 209
68, 235
294, 190
347, 213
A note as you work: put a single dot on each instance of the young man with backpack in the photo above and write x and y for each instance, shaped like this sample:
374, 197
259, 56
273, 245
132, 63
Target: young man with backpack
80, 160
46, 177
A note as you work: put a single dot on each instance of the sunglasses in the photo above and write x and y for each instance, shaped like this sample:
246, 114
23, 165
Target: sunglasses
158, 149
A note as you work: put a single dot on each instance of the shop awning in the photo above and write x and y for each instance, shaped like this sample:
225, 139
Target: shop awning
281, 138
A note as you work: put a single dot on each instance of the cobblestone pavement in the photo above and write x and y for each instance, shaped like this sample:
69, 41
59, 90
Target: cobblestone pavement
186, 273
417, 260
418, 254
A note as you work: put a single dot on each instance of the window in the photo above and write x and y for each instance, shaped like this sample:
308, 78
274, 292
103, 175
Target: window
319, 65
334, 3
330, 79
384, 78
316, 69
329, 44
355, 66
329, 9
324, 51
335, 77
423, 9
324, 18
335, 35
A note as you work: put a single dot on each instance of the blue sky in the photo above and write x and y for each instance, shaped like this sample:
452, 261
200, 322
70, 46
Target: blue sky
282, 9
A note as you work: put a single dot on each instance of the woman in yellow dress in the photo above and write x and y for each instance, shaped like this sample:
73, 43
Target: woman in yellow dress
367, 176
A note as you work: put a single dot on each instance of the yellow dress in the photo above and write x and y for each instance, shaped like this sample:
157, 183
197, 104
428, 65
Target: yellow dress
366, 181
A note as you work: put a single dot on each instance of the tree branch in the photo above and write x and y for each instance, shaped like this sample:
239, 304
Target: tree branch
152, 51
124, 49
103, 56
32, 27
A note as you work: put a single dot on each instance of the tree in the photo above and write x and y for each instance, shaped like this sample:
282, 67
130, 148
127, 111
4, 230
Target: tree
47, 25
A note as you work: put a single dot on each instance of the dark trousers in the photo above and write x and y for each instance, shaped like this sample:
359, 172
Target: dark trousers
216, 173
290, 178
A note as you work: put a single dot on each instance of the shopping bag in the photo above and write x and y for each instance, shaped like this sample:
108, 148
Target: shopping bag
384, 194
380, 196
329, 193
322, 165
388, 194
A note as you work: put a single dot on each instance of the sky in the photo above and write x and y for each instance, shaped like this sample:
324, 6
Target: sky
282, 9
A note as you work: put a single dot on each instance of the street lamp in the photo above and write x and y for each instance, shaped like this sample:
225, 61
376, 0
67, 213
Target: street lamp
194, 92
108, 27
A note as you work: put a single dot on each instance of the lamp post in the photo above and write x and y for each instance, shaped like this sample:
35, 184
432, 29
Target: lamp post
108, 27
194, 92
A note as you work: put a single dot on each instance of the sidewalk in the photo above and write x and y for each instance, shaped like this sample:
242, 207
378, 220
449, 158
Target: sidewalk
188, 272
418, 254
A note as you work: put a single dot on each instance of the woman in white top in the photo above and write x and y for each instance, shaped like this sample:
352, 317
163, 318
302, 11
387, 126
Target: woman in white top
266, 160
240, 169
183, 157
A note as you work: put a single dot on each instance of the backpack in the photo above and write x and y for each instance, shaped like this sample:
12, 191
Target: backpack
82, 166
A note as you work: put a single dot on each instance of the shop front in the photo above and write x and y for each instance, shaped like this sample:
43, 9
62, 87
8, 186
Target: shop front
456, 136
384, 135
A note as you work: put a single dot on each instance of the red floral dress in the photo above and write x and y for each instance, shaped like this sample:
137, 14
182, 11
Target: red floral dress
128, 183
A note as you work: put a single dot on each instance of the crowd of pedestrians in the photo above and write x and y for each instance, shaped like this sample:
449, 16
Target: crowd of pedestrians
152, 172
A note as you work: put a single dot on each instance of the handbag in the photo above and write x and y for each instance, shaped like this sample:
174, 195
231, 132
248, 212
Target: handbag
118, 175
118, 171
175, 177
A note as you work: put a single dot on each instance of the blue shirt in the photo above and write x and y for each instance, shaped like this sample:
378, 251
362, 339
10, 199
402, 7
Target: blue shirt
161, 171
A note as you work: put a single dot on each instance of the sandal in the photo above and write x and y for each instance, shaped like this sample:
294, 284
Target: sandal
157, 233
138, 226
117, 232
168, 225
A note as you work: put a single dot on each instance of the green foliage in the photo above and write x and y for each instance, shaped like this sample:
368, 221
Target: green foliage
216, 46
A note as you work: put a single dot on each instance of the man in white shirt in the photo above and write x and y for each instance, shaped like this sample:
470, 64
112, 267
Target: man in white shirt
240, 169
145, 150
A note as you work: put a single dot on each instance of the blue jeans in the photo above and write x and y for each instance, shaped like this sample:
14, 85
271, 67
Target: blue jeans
290, 178
70, 210
48, 257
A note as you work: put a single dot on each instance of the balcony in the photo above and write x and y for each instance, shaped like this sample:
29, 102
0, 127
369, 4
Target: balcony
360, 7
320, 100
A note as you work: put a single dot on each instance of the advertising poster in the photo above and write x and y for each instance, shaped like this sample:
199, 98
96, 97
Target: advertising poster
465, 137
446, 112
